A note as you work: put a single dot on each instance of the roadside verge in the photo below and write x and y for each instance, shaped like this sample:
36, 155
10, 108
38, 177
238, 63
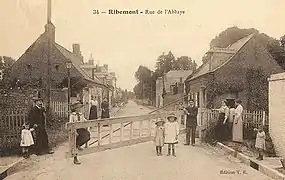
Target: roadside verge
266, 166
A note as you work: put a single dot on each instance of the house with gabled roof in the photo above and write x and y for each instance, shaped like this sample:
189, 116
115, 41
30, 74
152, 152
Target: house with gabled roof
239, 71
173, 84
32, 66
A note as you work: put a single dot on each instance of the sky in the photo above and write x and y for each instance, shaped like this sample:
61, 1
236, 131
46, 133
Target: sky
125, 42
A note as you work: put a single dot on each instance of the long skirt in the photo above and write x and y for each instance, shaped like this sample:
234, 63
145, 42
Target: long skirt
83, 137
238, 130
41, 140
93, 113
221, 129
105, 114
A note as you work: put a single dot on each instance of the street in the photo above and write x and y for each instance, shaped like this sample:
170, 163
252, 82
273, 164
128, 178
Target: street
137, 162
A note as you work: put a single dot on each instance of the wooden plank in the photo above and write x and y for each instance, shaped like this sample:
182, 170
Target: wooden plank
149, 127
140, 128
131, 131
113, 146
117, 120
122, 132
111, 133
99, 134
72, 141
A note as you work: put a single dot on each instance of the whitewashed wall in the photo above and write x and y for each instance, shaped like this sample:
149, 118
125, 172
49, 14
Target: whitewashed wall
277, 111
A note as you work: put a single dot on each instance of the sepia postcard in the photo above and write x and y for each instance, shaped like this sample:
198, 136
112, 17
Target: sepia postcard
142, 90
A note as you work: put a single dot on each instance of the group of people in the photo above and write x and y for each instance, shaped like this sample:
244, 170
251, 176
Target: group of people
34, 131
230, 127
34, 136
167, 131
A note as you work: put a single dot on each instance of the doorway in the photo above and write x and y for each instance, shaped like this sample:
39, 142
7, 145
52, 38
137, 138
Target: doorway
231, 103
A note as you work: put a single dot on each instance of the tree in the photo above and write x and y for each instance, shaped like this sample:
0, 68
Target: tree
230, 35
143, 73
282, 41
275, 47
184, 63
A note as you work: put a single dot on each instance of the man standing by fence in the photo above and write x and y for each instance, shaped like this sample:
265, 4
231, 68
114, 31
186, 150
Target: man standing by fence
191, 122
36, 118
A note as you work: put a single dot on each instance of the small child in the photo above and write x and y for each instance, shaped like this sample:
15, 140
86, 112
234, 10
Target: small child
171, 133
159, 136
26, 140
260, 141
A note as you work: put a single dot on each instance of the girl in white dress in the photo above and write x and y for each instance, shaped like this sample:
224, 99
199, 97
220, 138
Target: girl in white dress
260, 142
171, 133
26, 140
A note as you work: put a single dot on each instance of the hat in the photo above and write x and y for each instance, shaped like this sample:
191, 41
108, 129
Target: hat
172, 115
159, 120
25, 125
76, 105
37, 99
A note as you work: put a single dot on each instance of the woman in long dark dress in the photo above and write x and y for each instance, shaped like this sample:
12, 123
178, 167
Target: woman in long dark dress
83, 135
93, 109
105, 109
222, 127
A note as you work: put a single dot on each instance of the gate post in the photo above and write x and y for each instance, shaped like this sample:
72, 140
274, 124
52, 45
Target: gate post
72, 141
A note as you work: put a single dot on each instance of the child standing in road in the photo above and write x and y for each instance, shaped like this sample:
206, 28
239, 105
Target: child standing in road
26, 140
159, 136
260, 141
171, 133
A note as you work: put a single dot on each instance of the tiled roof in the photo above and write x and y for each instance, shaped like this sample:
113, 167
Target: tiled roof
76, 63
234, 48
179, 73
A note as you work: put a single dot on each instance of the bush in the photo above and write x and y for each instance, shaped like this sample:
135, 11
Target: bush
210, 136
56, 131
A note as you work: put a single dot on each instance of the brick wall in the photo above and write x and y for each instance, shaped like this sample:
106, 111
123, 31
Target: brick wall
277, 112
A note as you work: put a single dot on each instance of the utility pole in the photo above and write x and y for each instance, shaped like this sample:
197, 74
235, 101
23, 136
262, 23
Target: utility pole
49, 63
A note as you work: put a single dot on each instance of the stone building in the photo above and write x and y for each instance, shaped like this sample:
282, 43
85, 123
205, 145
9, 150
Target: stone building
277, 112
103, 74
173, 83
233, 72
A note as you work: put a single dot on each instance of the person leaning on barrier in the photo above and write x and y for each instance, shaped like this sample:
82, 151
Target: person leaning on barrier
82, 134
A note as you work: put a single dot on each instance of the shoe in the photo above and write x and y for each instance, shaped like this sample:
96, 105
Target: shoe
173, 153
187, 144
50, 152
80, 148
75, 161
168, 154
192, 144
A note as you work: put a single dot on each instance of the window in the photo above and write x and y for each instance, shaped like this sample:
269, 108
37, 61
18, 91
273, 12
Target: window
172, 89
57, 67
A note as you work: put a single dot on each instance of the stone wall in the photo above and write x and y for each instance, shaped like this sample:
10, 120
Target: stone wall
277, 112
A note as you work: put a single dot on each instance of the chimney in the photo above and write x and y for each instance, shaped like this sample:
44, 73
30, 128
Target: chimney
106, 67
49, 27
91, 60
76, 51
180, 88
93, 73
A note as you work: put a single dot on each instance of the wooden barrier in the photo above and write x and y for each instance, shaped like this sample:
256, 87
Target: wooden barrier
139, 129
123, 131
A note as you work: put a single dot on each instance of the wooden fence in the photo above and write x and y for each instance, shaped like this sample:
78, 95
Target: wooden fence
250, 118
60, 109
12, 119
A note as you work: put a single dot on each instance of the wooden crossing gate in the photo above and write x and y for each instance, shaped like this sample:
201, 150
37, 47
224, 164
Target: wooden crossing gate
114, 132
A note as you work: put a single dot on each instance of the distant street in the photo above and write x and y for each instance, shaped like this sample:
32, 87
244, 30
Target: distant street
137, 162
